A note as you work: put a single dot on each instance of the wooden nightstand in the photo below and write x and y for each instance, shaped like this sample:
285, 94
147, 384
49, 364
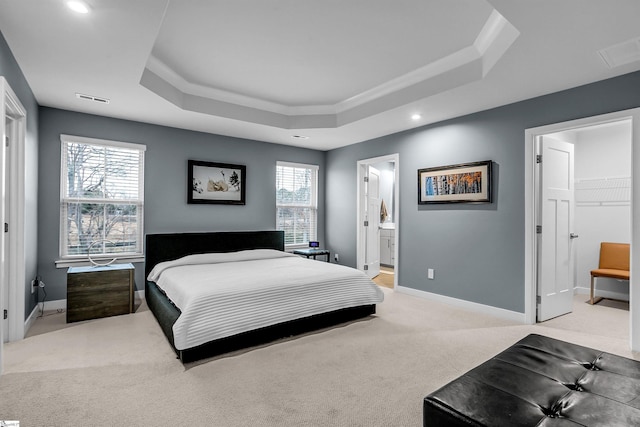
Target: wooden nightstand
94, 292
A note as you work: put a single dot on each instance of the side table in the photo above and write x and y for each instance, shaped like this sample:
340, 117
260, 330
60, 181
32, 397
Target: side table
313, 252
101, 291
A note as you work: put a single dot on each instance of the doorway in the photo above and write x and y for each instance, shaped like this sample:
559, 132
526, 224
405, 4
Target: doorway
12, 254
597, 210
532, 211
378, 218
6, 201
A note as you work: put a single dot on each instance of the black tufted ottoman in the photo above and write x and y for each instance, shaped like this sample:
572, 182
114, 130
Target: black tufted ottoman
540, 381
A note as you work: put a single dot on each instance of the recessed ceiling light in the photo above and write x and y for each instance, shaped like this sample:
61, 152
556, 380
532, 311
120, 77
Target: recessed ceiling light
78, 6
416, 117
300, 137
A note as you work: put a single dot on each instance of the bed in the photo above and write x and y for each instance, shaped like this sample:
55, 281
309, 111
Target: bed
214, 293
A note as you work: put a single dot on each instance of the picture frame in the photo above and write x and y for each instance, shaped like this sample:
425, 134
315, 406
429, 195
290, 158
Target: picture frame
216, 183
461, 183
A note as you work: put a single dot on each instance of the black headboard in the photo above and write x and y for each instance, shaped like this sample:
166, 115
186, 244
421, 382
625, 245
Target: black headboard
167, 247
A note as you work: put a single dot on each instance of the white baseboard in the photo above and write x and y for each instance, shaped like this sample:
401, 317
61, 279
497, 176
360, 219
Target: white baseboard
622, 296
31, 318
468, 305
60, 304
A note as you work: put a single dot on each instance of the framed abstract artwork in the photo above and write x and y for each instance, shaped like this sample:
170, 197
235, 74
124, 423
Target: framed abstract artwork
216, 183
462, 183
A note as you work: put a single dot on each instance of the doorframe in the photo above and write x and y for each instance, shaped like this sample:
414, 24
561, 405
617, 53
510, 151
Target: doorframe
360, 250
530, 241
15, 261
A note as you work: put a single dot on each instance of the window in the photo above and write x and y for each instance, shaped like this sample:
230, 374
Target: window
297, 202
101, 198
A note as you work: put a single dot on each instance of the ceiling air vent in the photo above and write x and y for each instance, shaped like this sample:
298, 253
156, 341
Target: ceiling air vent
621, 53
92, 98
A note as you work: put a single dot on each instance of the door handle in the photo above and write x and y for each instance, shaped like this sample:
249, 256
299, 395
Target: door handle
573, 236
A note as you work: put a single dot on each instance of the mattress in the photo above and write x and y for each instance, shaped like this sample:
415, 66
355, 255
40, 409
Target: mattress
224, 294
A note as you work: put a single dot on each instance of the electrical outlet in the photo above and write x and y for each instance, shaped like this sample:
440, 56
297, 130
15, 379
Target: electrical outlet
430, 273
34, 285
336, 257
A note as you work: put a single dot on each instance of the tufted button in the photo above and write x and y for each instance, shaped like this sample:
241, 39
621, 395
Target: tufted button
553, 412
574, 386
591, 366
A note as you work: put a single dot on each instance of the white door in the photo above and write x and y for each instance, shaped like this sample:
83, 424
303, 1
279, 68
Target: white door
555, 270
4, 270
372, 221
4, 283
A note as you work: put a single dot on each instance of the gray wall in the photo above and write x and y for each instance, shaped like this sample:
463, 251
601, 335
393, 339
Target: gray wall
477, 251
166, 208
605, 215
10, 70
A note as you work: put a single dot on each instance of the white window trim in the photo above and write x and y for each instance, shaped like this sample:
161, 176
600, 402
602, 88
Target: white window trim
96, 141
314, 197
83, 260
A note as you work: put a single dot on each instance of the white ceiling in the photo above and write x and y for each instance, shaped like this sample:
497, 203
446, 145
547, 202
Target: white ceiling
336, 71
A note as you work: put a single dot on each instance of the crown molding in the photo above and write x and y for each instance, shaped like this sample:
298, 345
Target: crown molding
464, 66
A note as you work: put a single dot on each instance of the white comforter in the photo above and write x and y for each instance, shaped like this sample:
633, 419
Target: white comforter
229, 293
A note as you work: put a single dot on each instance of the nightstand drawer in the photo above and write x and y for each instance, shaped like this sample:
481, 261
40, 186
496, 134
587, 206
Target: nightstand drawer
94, 292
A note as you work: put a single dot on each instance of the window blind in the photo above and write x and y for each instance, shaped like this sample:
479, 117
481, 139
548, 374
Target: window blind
102, 197
297, 202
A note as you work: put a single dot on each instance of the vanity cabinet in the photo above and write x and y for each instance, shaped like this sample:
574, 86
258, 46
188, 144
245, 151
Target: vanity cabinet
387, 247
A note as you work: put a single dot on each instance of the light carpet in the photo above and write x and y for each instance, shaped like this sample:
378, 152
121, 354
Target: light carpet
375, 372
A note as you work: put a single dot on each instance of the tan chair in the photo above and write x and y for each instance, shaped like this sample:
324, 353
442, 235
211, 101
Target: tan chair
614, 263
